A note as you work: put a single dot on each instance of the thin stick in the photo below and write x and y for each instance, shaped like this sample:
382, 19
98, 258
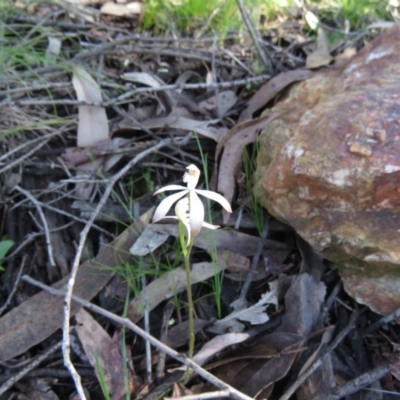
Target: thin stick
235, 394
384, 320
355, 384
72, 216
202, 396
127, 95
33, 150
163, 338
254, 35
254, 264
6, 385
30, 237
49, 247
14, 288
74, 270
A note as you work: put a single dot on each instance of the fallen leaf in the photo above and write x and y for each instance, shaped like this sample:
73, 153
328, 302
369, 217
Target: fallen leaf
77, 155
255, 314
233, 143
312, 263
321, 56
149, 240
303, 304
217, 344
105, 355
318, 59
260, 365
220, 104
221, 239
169, 284
92, 128
178, 335
95, 342
270, 89
323, 378
53, 48
42, 314
166, 97
326, 338
312, 20
185, 77
35, 389
236, 263
122, 10
92, 122
204, 128
143, 78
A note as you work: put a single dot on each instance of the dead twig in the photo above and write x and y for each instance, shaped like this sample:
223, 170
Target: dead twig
7, 385
203, 396
163, 338
355, 384
43, 141
235, 394
382, 321
255, 37
49, 246
131, 93
14, 288
32, 236
254, 264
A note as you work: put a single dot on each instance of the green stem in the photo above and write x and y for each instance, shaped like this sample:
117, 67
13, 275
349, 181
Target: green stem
190, 305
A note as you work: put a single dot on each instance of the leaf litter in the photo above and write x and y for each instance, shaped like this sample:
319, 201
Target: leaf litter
66, 130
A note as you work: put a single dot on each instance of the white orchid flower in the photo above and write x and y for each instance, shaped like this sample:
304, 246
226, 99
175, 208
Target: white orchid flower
189, 210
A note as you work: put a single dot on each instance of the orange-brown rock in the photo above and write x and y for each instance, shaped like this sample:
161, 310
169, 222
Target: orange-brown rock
330, 167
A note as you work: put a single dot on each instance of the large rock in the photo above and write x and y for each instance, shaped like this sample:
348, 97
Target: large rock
330, 167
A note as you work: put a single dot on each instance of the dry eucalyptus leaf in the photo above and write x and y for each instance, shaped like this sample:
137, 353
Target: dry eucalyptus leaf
233, 143
53, 48
221, 239
36, 319
221, 103
254, 314
312, 20
204, 128
143, 78
169, 284
167, 98
149, 240
92, 122
95, 341
122, 10
321, 56
270, 89
217, 344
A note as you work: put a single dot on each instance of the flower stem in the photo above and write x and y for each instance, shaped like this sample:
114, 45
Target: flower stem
190, 305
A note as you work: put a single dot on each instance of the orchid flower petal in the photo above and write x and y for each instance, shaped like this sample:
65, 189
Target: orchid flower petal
192, 176
216, 197
169, 187
196, 212
166, 204
209, 226
181, 211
